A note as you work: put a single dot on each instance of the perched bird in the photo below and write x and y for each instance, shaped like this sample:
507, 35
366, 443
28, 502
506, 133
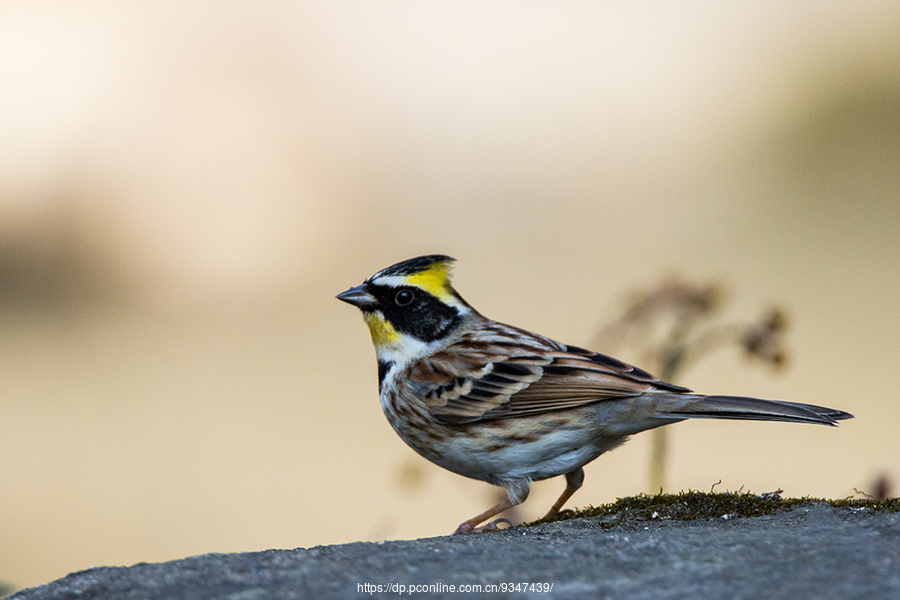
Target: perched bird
507, 406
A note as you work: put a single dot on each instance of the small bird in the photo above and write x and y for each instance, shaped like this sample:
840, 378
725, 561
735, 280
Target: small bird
507, 406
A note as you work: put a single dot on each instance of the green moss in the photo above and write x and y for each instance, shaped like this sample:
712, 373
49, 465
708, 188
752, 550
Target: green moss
690, 505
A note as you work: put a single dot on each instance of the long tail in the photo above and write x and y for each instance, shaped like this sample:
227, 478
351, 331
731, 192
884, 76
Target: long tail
756, 409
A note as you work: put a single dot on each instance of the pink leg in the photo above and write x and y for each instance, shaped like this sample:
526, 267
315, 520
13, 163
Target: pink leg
470, 525
516, 492
573, 482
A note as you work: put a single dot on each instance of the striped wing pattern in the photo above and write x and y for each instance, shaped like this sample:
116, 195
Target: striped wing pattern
497, 371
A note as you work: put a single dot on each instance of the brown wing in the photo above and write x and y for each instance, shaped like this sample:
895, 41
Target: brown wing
497, 371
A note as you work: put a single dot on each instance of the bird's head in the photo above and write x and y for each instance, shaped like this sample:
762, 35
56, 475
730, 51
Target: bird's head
409, 307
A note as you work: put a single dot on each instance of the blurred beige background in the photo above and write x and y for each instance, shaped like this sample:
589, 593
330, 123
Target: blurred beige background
185, 186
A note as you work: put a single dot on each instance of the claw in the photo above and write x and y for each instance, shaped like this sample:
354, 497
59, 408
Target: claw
463, 528
492, 526
470, 525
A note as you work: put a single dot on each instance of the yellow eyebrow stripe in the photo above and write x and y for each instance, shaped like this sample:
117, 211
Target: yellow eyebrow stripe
434, 280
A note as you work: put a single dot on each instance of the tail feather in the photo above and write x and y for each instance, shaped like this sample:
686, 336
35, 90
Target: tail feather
757, 409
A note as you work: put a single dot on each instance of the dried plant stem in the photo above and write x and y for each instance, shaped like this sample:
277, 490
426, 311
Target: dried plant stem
672, 360
656, 482
670, 326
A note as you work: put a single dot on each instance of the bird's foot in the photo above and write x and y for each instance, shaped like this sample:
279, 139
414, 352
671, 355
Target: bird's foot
469, 527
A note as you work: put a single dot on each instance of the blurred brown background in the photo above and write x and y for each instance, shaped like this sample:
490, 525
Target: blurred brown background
185, 186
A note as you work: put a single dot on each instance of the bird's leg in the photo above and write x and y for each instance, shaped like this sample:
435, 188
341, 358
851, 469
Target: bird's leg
470, 525
574, 479
516, 492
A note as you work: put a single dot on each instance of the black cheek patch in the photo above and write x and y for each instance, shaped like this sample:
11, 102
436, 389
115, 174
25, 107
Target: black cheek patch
426, 318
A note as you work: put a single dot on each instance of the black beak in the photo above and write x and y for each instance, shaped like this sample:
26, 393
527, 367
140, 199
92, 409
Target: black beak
357, 296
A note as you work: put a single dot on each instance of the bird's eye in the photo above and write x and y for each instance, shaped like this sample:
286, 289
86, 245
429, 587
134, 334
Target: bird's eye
403, 298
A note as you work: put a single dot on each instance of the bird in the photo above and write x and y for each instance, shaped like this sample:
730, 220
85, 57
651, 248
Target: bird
507, 406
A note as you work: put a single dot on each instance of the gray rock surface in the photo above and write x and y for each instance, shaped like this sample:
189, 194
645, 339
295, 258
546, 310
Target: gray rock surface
811, 551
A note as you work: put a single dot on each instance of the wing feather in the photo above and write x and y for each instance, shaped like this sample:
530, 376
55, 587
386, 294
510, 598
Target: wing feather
496, 371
